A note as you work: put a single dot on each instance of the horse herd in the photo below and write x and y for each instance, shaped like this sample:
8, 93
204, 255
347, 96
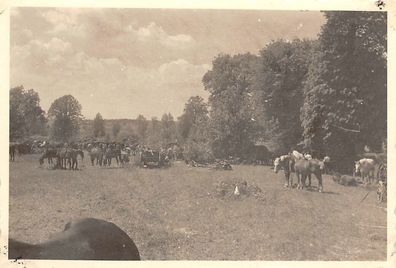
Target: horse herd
304, 166
65, 156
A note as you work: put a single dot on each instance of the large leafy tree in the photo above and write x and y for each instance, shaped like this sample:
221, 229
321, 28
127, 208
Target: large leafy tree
99, 126
231, 121
65, 114
278, 95
345, 91
26, 116
194, 129
195, 115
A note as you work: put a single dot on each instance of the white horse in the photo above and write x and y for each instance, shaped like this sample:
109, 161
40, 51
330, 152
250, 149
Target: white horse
366, 168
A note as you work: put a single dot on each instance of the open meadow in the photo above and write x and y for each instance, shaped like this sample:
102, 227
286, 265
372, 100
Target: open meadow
178, 213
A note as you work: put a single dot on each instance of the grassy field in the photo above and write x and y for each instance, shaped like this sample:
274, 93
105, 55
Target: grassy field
177, 214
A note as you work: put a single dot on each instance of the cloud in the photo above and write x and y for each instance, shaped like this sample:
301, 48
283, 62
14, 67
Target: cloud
60, 16
105, 85
122, 62
154, 33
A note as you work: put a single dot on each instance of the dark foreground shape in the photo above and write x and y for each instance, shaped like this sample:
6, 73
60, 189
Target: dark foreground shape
86, 239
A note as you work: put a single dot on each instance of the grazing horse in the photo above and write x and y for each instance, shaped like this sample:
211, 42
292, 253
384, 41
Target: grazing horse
86, 239
304, 168
12, 151
285, 162
366, 167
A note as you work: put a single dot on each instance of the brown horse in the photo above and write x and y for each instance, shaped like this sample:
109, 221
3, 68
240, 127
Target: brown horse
285, 162
304, 168
72, 161
64, 158
86, 239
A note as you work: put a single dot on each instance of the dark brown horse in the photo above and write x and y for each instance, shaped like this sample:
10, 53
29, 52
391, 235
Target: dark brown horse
86, 239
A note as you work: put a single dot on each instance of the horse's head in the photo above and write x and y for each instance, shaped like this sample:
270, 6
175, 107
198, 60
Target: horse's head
277, 164
357, 166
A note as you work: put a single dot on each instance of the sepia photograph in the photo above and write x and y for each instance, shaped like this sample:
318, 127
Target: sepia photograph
160, 134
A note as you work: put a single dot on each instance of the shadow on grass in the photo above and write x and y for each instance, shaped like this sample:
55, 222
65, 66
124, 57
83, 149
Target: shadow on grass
315, 189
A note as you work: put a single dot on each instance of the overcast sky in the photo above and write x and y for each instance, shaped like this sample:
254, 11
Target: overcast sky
125, 62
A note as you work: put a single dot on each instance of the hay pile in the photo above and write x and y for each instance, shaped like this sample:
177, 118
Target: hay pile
237, 188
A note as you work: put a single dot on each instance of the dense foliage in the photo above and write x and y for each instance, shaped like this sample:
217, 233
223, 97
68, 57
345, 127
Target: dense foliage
65, 116
26, 116
345, 90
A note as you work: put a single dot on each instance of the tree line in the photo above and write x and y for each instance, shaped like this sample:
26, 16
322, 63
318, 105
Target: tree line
327, 95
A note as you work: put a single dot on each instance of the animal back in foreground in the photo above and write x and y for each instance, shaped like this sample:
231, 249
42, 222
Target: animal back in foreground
86, 239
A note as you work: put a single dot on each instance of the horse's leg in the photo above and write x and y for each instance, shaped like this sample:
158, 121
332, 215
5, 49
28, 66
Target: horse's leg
287, 179
320, 185
303, 180
309, 180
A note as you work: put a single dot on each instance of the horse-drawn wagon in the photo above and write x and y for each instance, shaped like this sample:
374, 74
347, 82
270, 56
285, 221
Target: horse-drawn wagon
153, 158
